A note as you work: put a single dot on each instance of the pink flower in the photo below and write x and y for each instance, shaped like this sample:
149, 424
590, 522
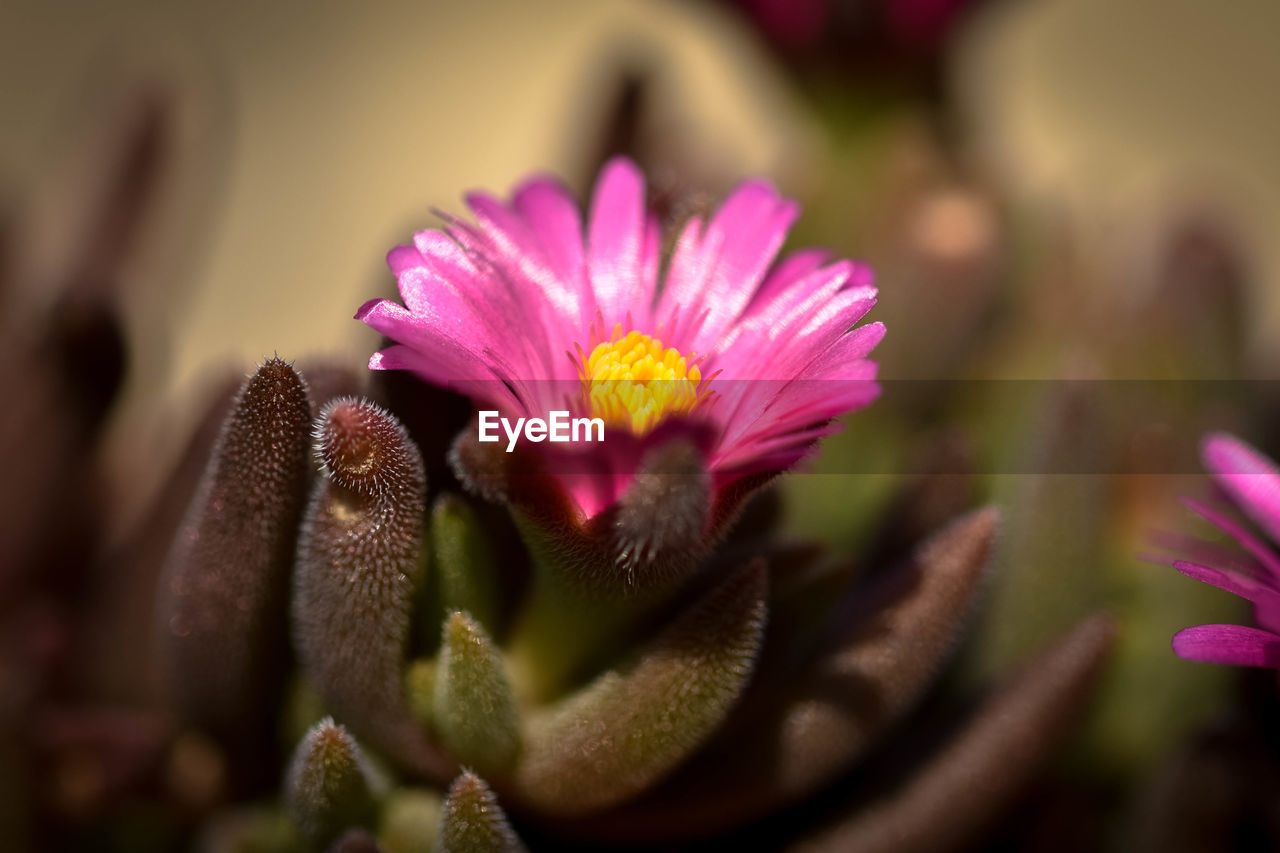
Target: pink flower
1252, 484
524, 312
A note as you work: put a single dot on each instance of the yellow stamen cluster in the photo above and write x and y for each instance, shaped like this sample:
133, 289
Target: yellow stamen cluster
632, 380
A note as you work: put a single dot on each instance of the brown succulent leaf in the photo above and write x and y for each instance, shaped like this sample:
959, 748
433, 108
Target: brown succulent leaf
223, 595
633, 725
119, 632
84, 337
358, 566
473, 822
659, 532
793, 734
989, 763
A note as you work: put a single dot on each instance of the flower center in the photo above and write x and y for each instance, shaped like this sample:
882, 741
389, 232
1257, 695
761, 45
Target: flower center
633, 380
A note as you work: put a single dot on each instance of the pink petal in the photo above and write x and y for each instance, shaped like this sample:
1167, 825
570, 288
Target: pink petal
1229, 644
1249, 477
723, 272
617, 242
402, 258
1265, 598
1247, 540
786, 273
552, 214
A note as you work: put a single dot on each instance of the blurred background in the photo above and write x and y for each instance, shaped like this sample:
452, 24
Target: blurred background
1069, 205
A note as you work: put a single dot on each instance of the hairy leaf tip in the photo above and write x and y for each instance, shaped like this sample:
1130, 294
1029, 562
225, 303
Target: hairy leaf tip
223, 597
474, 710
328, 786
473, 822
358, 567
661, 525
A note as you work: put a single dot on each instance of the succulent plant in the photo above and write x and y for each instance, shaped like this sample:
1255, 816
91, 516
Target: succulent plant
379, 633
743, 691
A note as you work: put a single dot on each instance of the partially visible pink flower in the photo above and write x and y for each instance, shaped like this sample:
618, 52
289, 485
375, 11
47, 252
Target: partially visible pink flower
1252, 485
527, 312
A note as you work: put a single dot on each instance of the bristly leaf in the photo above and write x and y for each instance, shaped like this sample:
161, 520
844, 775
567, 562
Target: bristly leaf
223, 598
982, 770
643, 546
473, 822
660, 531
631, 726
474, 712
328, 787
797, 731
359, 561
410, 821
464, 566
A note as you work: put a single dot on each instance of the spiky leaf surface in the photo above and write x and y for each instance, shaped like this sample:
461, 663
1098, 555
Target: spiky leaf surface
328, 787
473, 822
224, 593
633, 725
474, 712
359, 561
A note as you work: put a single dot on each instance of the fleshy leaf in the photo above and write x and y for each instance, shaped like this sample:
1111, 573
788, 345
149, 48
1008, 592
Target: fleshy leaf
359, 561
473, 822
328, 788
633, 725
647, 543
420, 689
465, 571
660, 531
223, 597
595, 580
987, 765
797, 730
410, 821
474, 712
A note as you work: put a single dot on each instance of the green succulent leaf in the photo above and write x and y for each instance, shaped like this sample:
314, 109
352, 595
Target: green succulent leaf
420, 690
473, 822
474, 712
410, 821
634, 724
465, 571
329, 785
223, 596
358, 567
